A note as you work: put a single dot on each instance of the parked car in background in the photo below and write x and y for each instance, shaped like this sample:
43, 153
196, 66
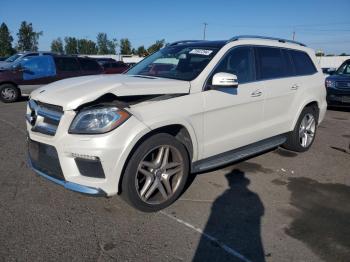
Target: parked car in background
18, 56
32, 72
3, 58
114, 67
190, 107
328, 71
338, 86
102, 60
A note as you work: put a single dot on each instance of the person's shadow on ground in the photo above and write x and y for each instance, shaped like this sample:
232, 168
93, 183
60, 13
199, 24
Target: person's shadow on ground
235, 221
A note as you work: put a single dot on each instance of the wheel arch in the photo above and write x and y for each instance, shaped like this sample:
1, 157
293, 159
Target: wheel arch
182, 132
309, 103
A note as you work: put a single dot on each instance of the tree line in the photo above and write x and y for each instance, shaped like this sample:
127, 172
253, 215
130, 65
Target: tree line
27, 40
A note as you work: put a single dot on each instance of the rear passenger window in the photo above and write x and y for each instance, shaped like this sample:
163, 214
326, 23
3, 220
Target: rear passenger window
89, 65
271, 63
302, 63
69, 64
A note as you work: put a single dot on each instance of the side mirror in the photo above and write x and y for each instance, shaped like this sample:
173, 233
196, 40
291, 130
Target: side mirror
224, 80
331, 71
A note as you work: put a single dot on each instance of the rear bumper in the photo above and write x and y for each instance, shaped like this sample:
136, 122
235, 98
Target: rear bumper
66, 184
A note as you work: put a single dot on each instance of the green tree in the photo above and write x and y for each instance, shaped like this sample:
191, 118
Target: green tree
57, 46
71, 45
104, 45
5, 41
112, 45
87, 47
141, 51
125, 46
156, 46
27, 37
343, 54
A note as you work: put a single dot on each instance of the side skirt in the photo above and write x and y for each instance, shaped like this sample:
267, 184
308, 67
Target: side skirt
237, 154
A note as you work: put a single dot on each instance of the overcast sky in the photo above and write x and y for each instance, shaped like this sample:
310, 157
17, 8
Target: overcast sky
322, 25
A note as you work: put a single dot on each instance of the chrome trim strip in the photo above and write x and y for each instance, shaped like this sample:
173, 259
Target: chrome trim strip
49, 114
281, 40
69, 185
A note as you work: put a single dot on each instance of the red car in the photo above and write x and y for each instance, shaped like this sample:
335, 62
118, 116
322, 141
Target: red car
114, 67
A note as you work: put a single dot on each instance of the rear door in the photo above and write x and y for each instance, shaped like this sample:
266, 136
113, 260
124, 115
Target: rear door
276, 74
36, 71
281, 71
89, 66
67, 67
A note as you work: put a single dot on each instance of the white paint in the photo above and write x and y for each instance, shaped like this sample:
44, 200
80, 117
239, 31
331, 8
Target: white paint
209, 237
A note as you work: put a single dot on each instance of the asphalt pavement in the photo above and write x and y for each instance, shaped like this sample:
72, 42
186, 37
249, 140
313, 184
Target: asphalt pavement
279, 206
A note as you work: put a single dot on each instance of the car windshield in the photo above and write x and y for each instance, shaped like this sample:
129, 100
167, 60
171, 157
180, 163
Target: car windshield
175, 62
12, 58
344, 69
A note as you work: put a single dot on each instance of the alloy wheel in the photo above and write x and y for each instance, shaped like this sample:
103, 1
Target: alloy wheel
159, 174
307, 130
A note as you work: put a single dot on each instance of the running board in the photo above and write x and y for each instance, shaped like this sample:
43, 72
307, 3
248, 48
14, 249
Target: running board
237, 154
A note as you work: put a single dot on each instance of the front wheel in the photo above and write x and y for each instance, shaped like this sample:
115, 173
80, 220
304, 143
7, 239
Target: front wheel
303, 135
156, 173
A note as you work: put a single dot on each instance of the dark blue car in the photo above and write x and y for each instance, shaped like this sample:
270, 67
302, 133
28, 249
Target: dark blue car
338, 86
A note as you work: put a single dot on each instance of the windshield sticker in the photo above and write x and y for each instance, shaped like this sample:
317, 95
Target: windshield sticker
201, 52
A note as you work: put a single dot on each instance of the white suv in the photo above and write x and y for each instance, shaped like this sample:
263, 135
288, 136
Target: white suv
190, 107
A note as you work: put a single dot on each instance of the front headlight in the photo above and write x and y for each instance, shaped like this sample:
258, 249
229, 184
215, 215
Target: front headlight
98, 120
330, 83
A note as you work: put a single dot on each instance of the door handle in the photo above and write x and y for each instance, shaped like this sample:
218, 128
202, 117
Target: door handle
294, 87
256, 93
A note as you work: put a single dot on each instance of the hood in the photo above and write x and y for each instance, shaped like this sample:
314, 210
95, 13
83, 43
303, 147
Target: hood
4, 64
73, 92
339, 77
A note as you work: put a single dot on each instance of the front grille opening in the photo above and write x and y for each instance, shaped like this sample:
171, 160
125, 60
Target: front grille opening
45, 159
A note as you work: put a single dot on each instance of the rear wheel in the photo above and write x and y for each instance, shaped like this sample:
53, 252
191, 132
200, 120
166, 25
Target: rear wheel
156, 173
9, 93
303, 135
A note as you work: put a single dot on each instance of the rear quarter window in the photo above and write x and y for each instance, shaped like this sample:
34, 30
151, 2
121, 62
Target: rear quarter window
302, 63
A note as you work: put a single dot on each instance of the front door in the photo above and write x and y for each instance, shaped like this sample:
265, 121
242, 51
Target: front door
36, 71
233, 116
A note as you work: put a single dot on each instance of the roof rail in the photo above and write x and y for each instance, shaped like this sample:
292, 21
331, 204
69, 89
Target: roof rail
235, 38
183, 42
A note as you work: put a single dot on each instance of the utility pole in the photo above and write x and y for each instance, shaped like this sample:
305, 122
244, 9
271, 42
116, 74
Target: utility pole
204, 30
293, 35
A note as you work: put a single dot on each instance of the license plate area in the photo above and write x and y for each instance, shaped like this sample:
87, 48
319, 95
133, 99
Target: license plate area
346, 99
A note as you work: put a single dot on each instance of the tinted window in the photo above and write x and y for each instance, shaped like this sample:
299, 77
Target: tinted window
240, 62
271, 63
67, 64
302, 63
38, 67
344, 69
89, 65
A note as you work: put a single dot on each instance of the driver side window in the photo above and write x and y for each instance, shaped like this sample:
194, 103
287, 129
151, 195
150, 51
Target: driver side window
240, 62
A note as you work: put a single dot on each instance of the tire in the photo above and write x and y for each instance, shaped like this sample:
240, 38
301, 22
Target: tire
305, 126
9, 93
151, 183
